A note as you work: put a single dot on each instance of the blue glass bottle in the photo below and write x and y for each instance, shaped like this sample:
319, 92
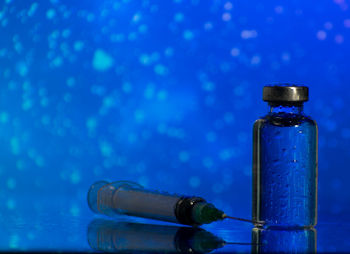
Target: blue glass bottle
285, 160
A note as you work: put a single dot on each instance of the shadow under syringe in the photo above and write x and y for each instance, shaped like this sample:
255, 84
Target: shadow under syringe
125, 237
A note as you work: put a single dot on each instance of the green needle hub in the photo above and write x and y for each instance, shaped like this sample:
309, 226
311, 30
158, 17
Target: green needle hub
205, 213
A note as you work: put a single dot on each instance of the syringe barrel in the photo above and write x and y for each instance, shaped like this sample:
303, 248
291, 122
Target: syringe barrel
131, 199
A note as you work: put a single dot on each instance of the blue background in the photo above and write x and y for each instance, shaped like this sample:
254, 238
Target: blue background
163, 93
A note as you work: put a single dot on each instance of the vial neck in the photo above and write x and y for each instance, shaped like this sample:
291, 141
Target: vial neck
286, 108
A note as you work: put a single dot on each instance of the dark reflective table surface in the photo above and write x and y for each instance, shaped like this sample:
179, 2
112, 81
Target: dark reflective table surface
57, 224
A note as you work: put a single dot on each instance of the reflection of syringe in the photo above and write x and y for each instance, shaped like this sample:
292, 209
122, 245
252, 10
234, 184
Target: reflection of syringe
123, 237
131, 199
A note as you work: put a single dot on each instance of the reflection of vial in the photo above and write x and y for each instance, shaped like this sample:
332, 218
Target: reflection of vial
283, 240
285, 160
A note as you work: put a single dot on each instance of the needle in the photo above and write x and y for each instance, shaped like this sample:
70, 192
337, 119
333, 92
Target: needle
226, 243
260, 223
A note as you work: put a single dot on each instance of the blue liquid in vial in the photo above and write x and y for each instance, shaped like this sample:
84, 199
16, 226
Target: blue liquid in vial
285, 168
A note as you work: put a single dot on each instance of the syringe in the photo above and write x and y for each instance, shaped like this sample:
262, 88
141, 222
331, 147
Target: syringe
128, 198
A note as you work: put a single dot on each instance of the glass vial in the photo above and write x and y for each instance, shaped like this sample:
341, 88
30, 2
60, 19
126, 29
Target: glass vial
285, 160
